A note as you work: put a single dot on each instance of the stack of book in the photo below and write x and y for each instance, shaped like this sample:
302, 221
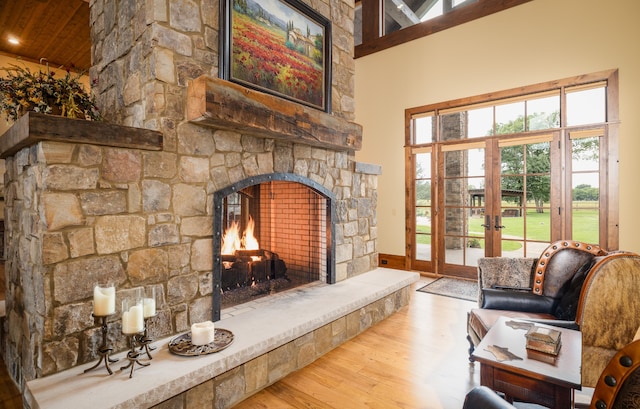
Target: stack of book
543, 339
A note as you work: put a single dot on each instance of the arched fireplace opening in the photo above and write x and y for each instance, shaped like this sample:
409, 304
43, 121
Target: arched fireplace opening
270, 233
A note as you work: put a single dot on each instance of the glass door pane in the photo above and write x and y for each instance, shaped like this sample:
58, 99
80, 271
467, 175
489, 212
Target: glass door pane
423, 206
525, 191
464, 206
585, 189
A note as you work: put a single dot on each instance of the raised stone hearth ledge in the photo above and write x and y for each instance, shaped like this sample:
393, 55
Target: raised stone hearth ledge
35, 127
274, 336
225, 105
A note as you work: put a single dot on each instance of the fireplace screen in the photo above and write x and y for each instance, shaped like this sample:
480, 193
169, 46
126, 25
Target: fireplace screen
274, 237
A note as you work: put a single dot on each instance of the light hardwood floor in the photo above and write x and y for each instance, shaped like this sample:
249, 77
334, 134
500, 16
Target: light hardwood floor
417, 358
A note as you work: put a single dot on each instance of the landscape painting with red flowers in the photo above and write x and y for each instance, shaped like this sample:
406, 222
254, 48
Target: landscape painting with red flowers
281, 47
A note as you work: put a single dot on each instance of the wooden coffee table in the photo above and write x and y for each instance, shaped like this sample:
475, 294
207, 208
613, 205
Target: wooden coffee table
536, 377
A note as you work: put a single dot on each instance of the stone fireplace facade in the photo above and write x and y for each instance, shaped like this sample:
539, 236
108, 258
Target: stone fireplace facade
135, 202
142, 218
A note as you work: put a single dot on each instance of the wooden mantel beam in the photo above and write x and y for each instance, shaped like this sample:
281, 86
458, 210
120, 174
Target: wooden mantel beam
226, 105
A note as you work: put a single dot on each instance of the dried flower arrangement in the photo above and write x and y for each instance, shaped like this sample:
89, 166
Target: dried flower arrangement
22, 90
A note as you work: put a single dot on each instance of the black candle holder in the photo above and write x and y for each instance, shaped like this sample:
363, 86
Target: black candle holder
133, 355
145, 340
104, 350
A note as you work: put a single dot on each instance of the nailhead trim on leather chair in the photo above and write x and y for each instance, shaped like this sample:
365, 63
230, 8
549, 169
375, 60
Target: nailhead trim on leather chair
543, 261
623, 367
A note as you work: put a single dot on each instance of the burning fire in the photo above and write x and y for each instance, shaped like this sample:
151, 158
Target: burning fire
249, 242
231, 241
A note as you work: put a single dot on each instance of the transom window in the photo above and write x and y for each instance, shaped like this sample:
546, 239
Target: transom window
380, 24
585, 105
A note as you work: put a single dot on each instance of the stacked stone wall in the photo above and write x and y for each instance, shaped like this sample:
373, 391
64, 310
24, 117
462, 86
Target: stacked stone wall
79, 212
145, 52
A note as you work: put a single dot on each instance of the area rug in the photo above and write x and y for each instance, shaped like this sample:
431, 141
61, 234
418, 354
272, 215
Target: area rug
452, 287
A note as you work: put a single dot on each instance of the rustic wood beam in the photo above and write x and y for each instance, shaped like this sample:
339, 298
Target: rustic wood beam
373, 14
226, 105
35, 127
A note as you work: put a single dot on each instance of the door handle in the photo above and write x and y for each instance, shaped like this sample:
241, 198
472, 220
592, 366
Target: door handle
487, 224
498, 226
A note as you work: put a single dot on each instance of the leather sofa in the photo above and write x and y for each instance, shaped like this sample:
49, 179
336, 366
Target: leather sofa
571, 284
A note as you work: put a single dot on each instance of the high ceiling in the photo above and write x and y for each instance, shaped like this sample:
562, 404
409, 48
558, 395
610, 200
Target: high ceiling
55, 30
58, 30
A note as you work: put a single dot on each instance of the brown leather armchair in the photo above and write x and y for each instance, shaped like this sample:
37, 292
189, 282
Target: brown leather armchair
618, 386
530, 288
599, 296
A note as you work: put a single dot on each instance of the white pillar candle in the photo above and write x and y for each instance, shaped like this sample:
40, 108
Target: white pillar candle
203, 333
133, 320
104, 300
149, 307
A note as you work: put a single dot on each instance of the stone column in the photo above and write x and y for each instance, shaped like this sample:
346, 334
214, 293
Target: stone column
145, 52
456, 192
83, 206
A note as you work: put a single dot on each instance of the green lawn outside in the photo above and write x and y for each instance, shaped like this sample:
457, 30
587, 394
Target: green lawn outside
585, 227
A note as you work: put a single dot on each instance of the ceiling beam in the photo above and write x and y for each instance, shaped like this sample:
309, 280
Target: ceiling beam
425, 7
401, 13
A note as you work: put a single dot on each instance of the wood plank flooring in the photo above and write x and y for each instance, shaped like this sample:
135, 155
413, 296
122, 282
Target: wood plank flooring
417, 358
10, 397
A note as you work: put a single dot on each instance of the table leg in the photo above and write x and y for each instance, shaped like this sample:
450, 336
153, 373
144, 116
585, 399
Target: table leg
486, 376
564, 397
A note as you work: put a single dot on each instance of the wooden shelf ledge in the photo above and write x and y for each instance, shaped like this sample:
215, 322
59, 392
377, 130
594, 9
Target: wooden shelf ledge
34, 127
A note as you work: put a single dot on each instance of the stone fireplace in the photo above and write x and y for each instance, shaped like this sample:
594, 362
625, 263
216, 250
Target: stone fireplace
139, 198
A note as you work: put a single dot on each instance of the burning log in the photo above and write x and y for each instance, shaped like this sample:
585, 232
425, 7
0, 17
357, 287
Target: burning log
247, 267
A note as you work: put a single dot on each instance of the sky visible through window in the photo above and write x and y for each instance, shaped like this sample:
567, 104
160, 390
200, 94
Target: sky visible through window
583, 108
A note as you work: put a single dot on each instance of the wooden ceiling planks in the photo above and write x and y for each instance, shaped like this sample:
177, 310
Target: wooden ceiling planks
57, 31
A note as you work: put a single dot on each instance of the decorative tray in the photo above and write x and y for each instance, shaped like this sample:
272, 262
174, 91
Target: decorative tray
181, 345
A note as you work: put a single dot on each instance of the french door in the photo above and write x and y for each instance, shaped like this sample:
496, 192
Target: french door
486, 198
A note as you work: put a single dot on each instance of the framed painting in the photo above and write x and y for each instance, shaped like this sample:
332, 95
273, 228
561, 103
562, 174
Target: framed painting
282, 47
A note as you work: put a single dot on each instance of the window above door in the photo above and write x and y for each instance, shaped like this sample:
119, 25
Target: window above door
381, 24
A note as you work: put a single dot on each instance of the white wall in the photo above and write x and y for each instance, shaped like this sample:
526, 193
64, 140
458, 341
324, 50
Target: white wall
539, 41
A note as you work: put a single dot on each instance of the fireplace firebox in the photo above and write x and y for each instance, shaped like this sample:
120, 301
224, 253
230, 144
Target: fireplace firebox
271, 233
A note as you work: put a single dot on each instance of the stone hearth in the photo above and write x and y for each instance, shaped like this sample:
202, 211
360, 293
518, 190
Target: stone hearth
273, 337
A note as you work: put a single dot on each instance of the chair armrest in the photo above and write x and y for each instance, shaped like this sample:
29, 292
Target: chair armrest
481, 397
512, 288
504, 271
555, 323
495, 299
